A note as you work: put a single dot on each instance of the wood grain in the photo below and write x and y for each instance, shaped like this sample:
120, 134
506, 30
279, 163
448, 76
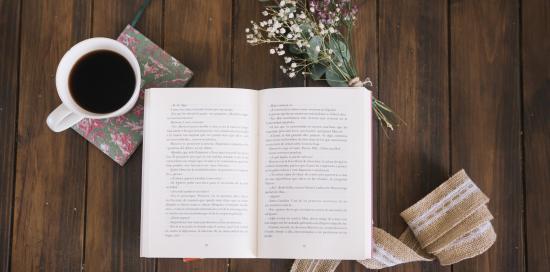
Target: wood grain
9, 75
114, 192
536, 132
51, 168
413, 81
364, 48
254, 68
485, 132
198, 33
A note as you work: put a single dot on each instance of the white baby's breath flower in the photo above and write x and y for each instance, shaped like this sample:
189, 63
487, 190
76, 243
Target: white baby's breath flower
282, 31
321, 25
264, 13
281, 46
282, 3
331, 30
291, 15
280, 53
272, 51
330, 51
292, 74
247, 30
317, 48
311, 9
299, 44
293, 65
295, 28
288, 59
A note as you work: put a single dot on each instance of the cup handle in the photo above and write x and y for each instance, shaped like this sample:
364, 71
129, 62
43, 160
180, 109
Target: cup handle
62, 118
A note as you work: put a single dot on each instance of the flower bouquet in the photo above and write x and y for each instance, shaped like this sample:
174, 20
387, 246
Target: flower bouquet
313, 38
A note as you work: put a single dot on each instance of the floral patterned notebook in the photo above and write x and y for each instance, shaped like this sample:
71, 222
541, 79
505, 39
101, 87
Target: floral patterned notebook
119, 137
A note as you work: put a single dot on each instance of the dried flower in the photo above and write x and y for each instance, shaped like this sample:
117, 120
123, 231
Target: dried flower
317, 35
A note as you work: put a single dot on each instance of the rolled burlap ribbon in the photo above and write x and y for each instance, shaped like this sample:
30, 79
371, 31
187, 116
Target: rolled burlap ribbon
452, 223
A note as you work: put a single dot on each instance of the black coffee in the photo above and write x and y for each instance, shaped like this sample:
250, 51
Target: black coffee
102, 81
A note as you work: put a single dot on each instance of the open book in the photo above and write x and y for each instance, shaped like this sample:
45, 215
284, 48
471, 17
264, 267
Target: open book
275, 173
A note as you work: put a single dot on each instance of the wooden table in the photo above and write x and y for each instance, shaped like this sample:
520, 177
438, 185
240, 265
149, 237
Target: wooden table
471, 79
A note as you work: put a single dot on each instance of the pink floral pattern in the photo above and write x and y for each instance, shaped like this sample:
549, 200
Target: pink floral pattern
120, 136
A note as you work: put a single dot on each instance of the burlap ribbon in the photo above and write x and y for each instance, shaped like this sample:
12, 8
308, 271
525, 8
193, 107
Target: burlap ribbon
452, 223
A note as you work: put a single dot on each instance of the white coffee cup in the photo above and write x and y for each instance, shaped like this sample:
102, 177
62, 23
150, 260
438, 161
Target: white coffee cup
69, 112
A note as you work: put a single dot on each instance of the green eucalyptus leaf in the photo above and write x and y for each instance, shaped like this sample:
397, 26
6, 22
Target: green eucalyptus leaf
311, 52
340, 49
317, 71
334, 79
305, 27
295, 50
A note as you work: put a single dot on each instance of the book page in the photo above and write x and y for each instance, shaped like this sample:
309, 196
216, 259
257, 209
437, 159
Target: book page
199, 173
314, 194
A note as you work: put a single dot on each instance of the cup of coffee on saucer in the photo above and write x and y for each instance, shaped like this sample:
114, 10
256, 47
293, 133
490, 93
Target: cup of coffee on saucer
97, 78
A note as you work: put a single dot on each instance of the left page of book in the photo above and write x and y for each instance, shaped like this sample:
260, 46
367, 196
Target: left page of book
199, 173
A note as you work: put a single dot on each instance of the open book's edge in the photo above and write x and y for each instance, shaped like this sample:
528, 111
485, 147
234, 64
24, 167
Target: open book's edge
144, 232
369, 152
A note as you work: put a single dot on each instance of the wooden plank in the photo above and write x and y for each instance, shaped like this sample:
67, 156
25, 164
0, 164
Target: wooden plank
198, 33
114, 192
253, 67
485, 118
414, 82
50, 179
270, 265
365, 52
9, 74
536, 111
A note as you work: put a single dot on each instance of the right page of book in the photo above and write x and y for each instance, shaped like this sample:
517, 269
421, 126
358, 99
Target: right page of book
315, 173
